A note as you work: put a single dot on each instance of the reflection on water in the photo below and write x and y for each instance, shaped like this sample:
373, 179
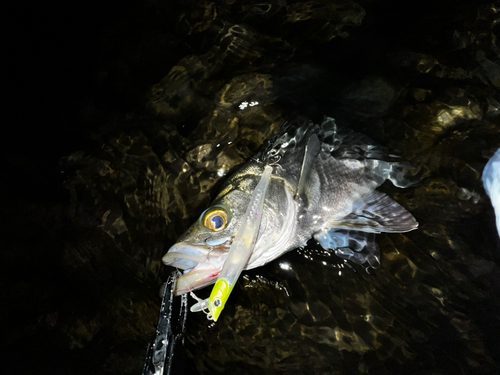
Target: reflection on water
431, 308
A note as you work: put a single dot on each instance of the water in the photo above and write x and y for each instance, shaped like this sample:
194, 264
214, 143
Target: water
83, 273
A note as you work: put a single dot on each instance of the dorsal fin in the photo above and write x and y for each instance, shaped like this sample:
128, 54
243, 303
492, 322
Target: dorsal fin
310, 153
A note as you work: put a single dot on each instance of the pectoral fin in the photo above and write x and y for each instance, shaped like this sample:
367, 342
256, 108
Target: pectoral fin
359, 247
377, 213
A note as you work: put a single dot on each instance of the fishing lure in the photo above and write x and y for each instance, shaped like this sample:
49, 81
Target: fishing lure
240, 251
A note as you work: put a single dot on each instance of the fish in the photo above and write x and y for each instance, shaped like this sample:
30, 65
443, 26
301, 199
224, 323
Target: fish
491, 182
323, 186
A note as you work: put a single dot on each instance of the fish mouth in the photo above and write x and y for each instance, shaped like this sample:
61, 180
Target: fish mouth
201, 263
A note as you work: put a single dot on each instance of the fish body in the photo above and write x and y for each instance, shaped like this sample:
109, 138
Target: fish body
491, 182
323, 186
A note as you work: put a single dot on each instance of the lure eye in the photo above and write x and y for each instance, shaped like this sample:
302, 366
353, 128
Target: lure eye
215, 220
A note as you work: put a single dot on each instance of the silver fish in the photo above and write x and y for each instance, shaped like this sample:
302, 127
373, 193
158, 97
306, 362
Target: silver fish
323, 186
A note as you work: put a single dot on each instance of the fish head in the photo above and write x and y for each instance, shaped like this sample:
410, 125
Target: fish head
202, 250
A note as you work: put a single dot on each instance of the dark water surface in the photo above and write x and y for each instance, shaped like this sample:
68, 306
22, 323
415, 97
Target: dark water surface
124, 119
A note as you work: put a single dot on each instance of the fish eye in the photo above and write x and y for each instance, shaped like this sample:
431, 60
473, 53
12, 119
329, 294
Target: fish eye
215, 220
